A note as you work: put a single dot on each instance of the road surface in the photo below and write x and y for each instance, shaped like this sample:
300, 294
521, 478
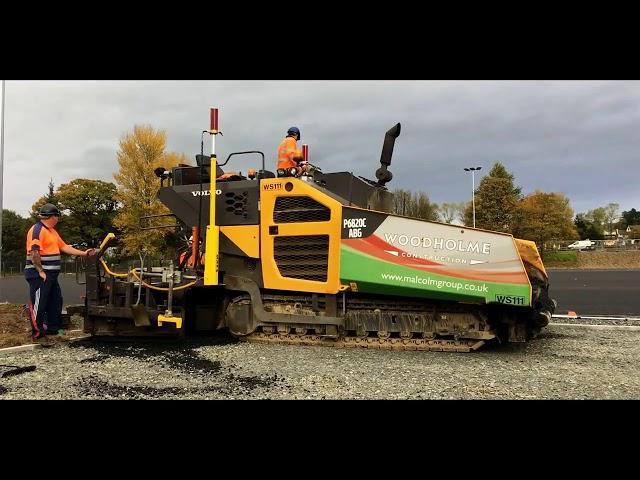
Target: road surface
596, 292
586, 292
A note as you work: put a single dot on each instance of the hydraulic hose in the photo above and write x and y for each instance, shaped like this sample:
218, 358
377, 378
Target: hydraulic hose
132, 272
182, 287
113, 274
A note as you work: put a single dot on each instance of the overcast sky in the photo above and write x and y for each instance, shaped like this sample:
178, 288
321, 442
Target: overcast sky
576, 137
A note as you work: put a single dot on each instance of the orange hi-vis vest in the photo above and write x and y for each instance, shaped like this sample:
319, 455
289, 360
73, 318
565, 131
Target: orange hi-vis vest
287, 151
47, 241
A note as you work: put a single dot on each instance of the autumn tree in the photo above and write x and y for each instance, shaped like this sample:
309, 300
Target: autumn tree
414, 204
496, 201
634, 231
545, 216
140, 153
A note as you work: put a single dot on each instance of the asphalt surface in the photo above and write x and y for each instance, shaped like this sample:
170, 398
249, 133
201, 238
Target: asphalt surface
586, 292
15, 289
596, 292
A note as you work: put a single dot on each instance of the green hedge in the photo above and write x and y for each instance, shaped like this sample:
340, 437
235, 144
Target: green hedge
560, 257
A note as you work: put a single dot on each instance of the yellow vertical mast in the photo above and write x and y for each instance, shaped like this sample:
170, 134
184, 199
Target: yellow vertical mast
212, 252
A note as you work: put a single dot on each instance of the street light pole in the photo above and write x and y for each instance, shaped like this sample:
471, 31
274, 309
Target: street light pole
1, 171
473, 190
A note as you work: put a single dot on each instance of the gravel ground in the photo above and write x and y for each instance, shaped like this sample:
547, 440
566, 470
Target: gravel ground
565, 362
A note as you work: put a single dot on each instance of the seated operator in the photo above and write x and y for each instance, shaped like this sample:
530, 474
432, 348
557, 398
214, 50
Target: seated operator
190, 260
289, 157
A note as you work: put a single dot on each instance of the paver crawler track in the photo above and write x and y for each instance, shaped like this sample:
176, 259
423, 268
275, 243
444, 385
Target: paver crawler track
378, 323
368, 342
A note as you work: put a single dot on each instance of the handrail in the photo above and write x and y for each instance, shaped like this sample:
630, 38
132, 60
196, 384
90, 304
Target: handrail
243, 153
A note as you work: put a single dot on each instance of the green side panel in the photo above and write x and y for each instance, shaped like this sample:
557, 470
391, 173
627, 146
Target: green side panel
377, 276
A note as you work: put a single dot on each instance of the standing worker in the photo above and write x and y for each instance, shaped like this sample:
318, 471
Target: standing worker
288, 154
41, 271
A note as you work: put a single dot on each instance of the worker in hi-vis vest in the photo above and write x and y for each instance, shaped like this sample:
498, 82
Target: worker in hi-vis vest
41, 270
289, 157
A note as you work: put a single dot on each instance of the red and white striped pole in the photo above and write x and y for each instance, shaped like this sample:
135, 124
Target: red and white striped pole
213, 129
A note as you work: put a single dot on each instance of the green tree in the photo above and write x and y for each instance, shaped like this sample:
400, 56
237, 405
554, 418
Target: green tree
587, 230
51, 197
414, 204
545, 216
496, 201
610, 215
631, 217
89, 207
591, 225
87, 210
140, 153
14, 231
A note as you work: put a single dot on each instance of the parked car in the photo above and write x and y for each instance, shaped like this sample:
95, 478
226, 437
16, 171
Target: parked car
582, 245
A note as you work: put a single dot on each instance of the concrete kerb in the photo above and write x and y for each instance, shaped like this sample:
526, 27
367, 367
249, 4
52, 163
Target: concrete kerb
34, 346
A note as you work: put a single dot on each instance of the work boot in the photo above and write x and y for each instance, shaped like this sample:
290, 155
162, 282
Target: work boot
61, 337
45, 341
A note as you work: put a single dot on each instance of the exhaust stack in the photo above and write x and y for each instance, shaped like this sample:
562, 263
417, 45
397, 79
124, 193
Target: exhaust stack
382, 174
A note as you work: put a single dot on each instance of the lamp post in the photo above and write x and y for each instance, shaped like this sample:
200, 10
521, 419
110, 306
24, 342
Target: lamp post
473, 190
1, 171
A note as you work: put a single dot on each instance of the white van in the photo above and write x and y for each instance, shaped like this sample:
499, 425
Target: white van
582, 245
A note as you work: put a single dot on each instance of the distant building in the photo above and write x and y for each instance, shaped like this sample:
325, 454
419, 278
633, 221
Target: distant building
617, 233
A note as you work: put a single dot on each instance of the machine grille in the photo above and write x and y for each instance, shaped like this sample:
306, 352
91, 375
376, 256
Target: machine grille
236, 203
300, 209
305, 257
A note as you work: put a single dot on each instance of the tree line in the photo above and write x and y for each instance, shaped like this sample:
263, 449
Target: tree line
92, 208
539, 216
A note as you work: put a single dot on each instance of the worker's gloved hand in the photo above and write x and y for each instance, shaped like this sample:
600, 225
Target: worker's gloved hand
90, 252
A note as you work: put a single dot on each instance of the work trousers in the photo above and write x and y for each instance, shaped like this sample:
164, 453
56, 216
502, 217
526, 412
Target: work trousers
45, 306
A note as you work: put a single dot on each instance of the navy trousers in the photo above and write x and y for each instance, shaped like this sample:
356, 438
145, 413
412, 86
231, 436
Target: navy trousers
45, 307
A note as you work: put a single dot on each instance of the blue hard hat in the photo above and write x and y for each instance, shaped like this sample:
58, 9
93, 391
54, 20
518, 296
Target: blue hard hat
294, 130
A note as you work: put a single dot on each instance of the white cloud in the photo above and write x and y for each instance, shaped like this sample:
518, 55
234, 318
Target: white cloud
579, 138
